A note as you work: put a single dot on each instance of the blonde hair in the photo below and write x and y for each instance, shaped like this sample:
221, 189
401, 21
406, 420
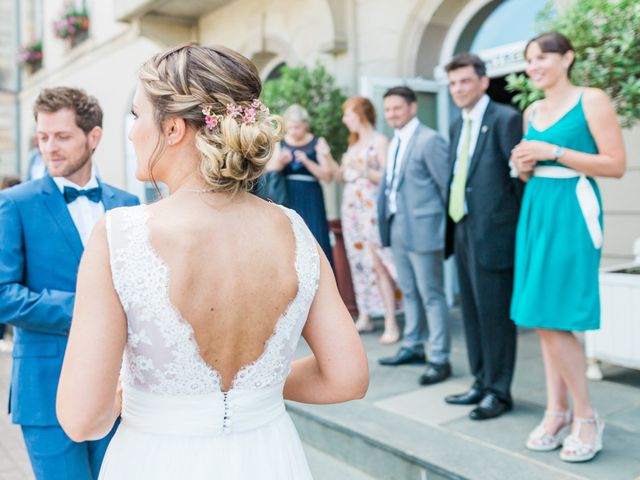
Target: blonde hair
296, 113
181, 80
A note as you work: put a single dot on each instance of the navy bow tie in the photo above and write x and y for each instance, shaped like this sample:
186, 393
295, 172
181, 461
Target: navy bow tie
93, 194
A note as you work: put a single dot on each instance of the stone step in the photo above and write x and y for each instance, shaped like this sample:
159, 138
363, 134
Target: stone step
360, 452
325, 467
387, 446
403, 431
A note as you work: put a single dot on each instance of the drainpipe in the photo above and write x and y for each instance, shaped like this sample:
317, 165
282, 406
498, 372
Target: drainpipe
18, 89
442, 100
353, 44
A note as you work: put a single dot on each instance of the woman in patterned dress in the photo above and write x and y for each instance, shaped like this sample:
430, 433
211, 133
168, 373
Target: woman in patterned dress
372, 268
571, 136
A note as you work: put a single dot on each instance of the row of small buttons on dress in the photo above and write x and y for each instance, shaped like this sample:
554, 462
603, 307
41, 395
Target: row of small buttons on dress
226, 421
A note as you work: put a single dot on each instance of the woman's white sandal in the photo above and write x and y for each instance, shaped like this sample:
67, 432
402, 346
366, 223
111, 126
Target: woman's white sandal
542, 441
574, 449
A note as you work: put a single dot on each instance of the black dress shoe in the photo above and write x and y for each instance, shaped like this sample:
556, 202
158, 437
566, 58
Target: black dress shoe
490, 407
435, 372
404, 356
470, 397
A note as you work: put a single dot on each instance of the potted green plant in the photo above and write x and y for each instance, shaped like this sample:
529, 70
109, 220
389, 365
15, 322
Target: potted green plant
315, 89
30, 56
73, 26
604, 34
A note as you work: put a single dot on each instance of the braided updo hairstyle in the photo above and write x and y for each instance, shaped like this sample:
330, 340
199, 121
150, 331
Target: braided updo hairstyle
183, 79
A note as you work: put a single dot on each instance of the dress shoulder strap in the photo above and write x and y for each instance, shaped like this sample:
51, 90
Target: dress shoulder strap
534, 109
126, 234
307, 256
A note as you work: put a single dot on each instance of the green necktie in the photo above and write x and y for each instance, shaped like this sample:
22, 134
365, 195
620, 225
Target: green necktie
456, 198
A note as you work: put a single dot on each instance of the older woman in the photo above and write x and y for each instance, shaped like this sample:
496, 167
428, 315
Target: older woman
304, 159
371, 265
570, 137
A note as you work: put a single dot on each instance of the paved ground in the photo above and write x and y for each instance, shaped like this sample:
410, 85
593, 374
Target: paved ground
396, 397
416, 420
14, 463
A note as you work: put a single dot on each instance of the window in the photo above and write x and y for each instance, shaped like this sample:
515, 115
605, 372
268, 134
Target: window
511, 21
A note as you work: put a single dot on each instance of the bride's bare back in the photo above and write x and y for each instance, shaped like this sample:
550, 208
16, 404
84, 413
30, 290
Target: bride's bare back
232, 272
177, 298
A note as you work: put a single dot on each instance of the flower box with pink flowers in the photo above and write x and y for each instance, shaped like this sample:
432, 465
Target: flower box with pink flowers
73, 26
30, 56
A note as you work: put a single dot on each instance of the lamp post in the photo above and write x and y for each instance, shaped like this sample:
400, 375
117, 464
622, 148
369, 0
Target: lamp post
18, 88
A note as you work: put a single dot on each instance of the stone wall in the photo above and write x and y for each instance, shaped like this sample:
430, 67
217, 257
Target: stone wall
354, 39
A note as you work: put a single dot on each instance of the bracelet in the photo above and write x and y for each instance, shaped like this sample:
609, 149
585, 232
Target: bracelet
557, 152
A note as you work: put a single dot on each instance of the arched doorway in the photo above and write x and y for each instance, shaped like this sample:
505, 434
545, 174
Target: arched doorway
268, 64
502, 48
496, 30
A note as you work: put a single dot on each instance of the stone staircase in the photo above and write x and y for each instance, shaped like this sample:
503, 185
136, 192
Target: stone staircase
326, 467
406, 432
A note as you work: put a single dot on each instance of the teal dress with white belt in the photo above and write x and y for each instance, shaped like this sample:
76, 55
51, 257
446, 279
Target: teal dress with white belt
558, 239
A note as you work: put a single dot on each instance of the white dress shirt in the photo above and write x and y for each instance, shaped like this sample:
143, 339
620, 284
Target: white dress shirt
84, 212
403, 135
475, 115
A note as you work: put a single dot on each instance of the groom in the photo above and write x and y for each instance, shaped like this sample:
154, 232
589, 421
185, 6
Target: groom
44, 225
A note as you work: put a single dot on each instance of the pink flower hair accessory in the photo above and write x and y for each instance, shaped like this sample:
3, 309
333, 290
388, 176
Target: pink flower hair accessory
247, 115
211, 120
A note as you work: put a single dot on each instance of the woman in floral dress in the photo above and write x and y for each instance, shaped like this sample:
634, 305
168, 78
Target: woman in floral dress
372, 267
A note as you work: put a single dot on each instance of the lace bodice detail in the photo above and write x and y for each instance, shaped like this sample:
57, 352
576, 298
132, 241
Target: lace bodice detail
161, 354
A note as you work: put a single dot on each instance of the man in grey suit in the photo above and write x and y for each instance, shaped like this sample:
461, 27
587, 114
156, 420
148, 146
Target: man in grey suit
411, 218
483, 211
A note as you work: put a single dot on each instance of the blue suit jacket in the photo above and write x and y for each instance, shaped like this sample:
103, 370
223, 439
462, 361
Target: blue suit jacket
40, 250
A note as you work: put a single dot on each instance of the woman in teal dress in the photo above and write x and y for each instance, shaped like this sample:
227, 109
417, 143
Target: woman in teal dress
570, 137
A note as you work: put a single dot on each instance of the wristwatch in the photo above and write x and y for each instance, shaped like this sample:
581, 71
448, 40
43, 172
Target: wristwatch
557, 152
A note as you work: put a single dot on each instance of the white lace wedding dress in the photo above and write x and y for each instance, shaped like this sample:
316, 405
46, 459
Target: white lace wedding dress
177, 423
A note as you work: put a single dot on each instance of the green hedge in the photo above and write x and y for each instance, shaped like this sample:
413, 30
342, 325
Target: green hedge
606, 38
315, 90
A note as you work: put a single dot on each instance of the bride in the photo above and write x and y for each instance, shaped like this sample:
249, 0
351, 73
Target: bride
195, 304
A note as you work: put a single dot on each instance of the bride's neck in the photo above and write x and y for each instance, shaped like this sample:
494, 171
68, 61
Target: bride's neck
185, 173
188, 182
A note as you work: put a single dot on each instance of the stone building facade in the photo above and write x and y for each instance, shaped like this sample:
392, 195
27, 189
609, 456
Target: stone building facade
369, 45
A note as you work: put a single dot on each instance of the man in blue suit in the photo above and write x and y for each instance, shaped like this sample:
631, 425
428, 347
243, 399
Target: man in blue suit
44, 225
